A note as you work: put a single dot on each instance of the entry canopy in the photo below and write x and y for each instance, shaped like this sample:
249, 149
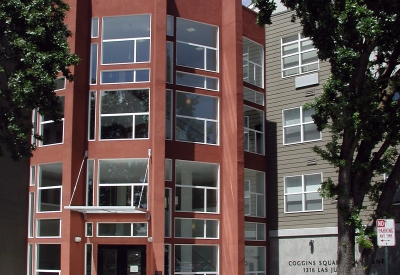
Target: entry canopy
107, 209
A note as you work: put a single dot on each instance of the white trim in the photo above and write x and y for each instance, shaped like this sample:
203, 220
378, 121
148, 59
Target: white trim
260, 65
303, 232
48, 237
31, 220
97, 27
106, 209
86, 229
85, 258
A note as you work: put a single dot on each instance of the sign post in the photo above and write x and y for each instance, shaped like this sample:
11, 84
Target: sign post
385, 237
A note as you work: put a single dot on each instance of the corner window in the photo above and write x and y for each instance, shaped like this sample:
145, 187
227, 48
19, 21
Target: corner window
298, 55
197, 186
48, 259
124, 114
301, 193
199, 259
126, 39
253, 130
197, 45
253, 63
196, 228
254, 193
255, 258
196, 118
123, 182
298, 126
52, 132
49, 188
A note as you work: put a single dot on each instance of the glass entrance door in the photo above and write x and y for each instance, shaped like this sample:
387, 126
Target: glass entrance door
121, 260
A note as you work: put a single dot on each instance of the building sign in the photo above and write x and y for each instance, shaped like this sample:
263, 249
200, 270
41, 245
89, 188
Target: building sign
385, 232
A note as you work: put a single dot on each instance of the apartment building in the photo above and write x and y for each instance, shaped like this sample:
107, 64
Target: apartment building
302, 225
158, 165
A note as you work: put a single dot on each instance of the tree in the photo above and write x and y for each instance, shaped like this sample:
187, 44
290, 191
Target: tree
33, 52
360, 107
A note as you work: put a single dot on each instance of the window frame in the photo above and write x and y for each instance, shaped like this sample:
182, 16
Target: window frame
262, 272
98, 224
299, 52
48, 237
38, 271
302, 193
247, 131
301, 124
204, 87
217, 257
256, 194
43, 122
204, 228
40, 188
134, 71
255, 65
264, 238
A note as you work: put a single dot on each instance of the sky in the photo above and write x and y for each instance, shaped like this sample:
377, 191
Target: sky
246, 2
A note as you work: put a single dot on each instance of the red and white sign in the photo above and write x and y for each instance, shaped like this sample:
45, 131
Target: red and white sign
385, 230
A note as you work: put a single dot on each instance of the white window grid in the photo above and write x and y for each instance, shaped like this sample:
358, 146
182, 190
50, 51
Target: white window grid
39, 271
44, 122
301, 124
250, 68
253, 198
205, 50
134, 54
189, 264
259, 228
47, 237
251, 265
303, 194
253, 96
301, 68
132, 226
204, 228
40, 188
247, 135
203, 82
205, 122
125, 82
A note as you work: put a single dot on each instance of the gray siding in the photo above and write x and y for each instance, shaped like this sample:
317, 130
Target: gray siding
290, 160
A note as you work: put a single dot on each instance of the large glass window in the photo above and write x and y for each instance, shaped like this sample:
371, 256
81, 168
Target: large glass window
49, 189
253, 96
254, 193
122, 229
298, 126
196, 118
253, 130
123, 182
197, 186
196, 228
125, 76
48, 228
301, 193
52, 132
48, 259
124, 114
255, 260
126, 39
253, 63
199, 259
197, 45
298, 55
254, 231
197, 81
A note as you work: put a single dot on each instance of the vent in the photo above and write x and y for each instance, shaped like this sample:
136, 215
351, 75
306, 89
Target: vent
310, 93
311, 162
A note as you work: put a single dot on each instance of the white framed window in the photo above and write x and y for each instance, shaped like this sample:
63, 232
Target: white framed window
254, 231
29, 260
298, 126
52, 132
197, 118
88, 229
124, 114
49, 187
92, 115
253, 130
253, 96
120, 229
60, 83
167, 259
298, 55
196, 228
170, 25
48, 259
196, 259
196, 45
253, 63
168, 170
255, 259
95, 27
93, 63
90, 182
125, 76
197, 81
196, 187
168, 213
254, 193
32, 175
301, 193
126, 39
48, 228
88, 259
168, 114
122, 182
31, 214
170, 63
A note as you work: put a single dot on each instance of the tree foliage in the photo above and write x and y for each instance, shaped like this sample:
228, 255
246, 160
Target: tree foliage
33, 52
360, 107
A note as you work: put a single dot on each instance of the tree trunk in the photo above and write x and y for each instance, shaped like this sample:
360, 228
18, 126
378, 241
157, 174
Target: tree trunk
346, 239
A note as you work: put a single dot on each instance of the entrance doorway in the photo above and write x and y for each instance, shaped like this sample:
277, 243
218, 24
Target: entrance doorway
121, 260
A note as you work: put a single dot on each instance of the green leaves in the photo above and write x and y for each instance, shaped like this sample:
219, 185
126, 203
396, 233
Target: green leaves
33, 51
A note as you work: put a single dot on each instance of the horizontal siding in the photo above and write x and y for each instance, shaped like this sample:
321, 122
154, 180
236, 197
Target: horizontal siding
290, 160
